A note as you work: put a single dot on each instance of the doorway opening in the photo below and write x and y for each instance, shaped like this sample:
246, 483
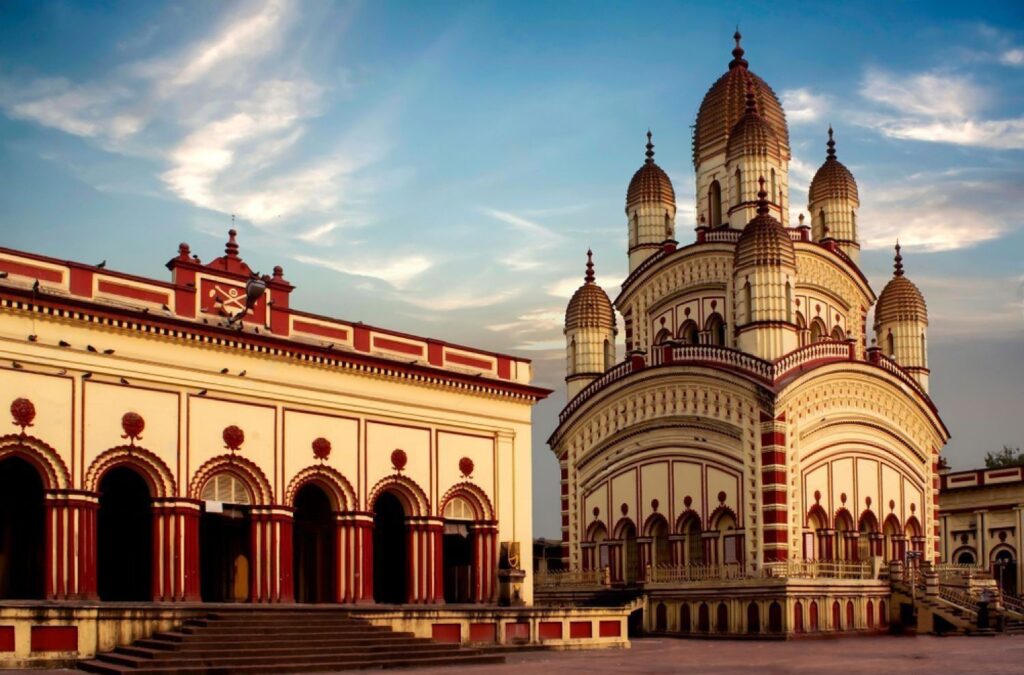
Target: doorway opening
124, 524
22, 530
458, 551
314, 538
224, 540
389, 551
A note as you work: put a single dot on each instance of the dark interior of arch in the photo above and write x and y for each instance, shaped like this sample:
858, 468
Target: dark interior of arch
22, 528
389, 550
314, 545
124, 537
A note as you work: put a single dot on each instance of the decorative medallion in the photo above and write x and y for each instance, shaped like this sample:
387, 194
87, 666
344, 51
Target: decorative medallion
466, 467
321, 448
686, 312
23, 413
687, 501
721, 497
714, 304
817, 496
1002, 535
399, 459
963, 539
842, 497
624, 508
654, 505
597, 511
892, 504
913, 507
233, 438
133, 425
867, 502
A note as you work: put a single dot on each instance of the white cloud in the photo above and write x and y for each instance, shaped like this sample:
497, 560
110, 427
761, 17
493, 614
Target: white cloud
938, 211
461, 299
319, 233
397, 272
1012, 57
803, 106
564, 288
936, 107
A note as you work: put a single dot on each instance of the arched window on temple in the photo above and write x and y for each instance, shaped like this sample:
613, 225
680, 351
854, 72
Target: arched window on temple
688, 332
716, 330
225, 549
818, 330
663, 336
715, 203
738, 177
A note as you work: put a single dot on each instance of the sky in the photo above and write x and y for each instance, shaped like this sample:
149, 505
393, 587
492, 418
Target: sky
441, 168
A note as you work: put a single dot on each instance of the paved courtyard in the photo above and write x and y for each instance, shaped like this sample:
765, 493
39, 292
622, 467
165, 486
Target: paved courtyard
875, 655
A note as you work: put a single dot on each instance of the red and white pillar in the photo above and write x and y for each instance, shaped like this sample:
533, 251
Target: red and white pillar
270, 571
425, 582
70, 545
485, 561
176, 550
645, 547
774, 514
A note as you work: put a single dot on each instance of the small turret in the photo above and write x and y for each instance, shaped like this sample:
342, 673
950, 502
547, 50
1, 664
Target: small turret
650, 208
589, 333
764, 270
901, 323
833, 202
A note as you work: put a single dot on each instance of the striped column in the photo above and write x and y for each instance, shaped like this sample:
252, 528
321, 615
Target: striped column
355, 534
70, 545
270, 571
485, 561
176, 550
424, 565
774, 514
564, 472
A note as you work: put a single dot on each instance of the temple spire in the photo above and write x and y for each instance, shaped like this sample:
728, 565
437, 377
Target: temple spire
589, 276
650, 149
831, 144
762, 198
737, 52
898, 264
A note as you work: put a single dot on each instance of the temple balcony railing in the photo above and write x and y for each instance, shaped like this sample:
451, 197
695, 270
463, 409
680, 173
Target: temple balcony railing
569, 578
767, 373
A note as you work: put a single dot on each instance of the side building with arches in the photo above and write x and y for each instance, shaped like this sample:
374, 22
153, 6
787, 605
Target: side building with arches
759, 458
199, 440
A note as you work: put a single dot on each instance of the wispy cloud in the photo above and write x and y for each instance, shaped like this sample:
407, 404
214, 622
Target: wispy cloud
461, 299
1012, 57
534, 238
940, 211
936, 107
396, 271
803, 106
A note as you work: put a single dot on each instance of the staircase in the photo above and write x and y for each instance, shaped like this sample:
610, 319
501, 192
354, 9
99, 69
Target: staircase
278, 641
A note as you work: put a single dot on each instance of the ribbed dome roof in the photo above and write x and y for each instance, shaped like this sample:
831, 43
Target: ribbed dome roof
900, 300
833, 179
752, 134
764, 240
725, 103
589, 306
650, 184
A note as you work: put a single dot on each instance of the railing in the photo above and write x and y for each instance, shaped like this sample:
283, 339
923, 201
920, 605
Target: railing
960, 575
1013, 603
565, 578
964, 600
674, 574
767, 372
726, 235
813, 569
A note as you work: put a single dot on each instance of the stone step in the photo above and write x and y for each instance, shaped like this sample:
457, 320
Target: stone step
328, 664
257, 657
277, 648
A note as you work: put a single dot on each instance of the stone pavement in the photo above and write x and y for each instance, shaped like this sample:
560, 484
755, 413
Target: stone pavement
874, 655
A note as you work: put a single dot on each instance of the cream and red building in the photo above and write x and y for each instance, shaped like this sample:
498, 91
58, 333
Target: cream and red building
759, 450
173, 443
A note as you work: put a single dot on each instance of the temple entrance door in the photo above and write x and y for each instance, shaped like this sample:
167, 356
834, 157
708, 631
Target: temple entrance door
630, 557
1004, 569
124, 551
22, 530
225, 533
458, 551
314, 546
390, 573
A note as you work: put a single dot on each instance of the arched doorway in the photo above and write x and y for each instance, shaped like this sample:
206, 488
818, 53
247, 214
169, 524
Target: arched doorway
630, 559
458, 551
1004, 569
389, 550
775, 618
225, 535
22, 530
722, 619
703, 618
124, 534
314, 545
753, 619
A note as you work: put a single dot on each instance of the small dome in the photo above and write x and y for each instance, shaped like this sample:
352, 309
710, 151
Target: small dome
764, 240
589, 306
833, 179
900, 300
650, 184
752, 135
725, 103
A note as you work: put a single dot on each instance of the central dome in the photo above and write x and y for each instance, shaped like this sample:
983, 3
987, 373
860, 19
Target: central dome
764, 242
725, 103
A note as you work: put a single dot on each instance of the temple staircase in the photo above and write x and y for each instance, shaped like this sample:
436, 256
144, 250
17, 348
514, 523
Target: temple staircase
279, 641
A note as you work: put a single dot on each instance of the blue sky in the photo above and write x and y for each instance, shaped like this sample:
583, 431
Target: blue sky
441, 168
